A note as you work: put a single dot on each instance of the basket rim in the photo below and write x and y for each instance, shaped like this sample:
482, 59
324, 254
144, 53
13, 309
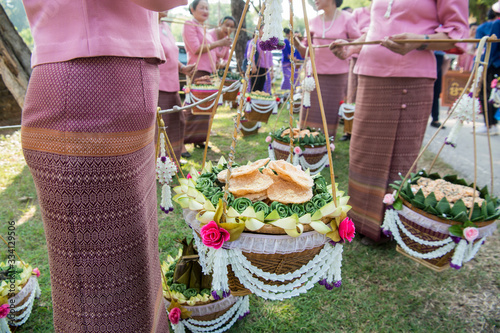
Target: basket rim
307, 146
441, 220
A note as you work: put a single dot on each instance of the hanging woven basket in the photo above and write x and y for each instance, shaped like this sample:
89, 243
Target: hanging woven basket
231, 95
248, 128
204, 108
313, 156
259, 109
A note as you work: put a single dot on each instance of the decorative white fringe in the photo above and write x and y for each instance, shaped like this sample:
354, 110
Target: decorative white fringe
463, 251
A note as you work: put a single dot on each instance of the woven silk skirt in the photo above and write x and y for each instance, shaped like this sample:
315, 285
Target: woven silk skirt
390, 123
175, 122
196, 125
87, 136
333, 90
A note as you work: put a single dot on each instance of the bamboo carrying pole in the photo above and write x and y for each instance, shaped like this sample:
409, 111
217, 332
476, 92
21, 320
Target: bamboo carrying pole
492, 39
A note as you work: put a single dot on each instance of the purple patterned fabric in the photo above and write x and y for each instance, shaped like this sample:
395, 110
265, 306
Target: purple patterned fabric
99, 212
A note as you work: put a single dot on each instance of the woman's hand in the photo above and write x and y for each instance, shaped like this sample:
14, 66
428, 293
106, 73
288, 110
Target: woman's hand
188, 70
254, 69
401, 48
340, 51
226, 41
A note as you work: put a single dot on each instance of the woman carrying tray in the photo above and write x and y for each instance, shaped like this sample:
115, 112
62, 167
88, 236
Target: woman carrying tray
87, 134
332, 72
199, 45
169, 87
394, 97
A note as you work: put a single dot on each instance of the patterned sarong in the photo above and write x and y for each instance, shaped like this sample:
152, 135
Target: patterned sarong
87, 136
175, 122
196, 125
333, 90
391, 118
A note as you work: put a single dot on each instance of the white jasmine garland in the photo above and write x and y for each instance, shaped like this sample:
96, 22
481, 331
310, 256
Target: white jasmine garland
300, 159
272, 37
19, 314
451, 139
165, 170
308, 85
466, 108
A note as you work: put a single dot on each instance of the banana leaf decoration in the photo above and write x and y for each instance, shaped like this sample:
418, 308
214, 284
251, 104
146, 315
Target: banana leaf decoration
188, 270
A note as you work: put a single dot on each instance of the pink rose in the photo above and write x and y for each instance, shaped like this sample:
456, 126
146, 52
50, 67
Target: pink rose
346, 229
189, 176
297, 150
36, 271
494, 83
471, 233
213, 236
4, 310
268, 139
174, 315
388, 199
332, 146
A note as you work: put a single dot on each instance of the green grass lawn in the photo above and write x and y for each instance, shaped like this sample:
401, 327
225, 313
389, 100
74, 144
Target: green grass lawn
381, 291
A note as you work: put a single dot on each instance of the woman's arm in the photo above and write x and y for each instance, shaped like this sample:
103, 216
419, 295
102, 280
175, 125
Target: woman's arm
404, 48
344, 52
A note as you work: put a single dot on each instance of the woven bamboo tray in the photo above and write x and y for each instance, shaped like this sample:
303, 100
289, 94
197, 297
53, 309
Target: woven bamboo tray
272, 263
436, 264
230, 96
200, 94
310, 157
257, 116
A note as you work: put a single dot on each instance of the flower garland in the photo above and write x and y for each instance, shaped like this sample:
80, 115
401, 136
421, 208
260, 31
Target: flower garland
260, 105
308, 85
165, 170
21, 305
245, 129
272, 37
220, 324
347, 108
326, 266
465, 250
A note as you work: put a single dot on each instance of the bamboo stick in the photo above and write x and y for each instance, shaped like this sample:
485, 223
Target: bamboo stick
492, 39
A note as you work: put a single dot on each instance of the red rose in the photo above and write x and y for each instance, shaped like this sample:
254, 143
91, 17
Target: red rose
214, 236
174, 315
277, 99
346, 229
341, 102
248, 99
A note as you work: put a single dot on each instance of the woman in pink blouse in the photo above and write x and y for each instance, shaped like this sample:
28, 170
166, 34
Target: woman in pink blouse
168, 97
199, 46
223, 31
394, 97
87, 134
332, 72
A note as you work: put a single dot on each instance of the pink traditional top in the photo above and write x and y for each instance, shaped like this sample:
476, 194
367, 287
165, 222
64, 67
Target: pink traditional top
192, 34
420, 17
221, 52
64, 30
169, 71
362, 17
343, 27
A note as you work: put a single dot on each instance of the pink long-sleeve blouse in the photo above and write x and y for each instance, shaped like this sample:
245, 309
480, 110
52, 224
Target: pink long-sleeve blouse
362, 17
344, 27
64, 30
169, 71
420, 17
194, 36
221, 52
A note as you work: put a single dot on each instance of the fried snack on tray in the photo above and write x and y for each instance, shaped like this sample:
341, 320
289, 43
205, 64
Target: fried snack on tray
203, 80
287, 192
254, 182
288, 172
279, 181
444, 189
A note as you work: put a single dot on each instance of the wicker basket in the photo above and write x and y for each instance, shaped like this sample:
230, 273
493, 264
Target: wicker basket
255, 115
230, 96
436, 264
200, 94
211, 309
248, 128
311, 154
273, 263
